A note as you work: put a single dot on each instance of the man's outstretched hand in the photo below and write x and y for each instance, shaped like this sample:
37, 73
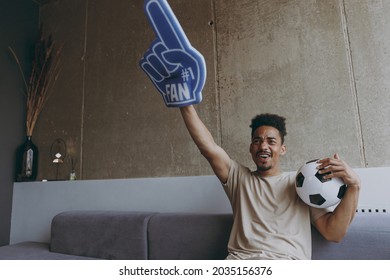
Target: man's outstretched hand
176, 69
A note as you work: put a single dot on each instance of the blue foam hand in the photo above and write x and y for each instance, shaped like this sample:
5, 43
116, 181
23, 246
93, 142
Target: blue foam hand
176, 69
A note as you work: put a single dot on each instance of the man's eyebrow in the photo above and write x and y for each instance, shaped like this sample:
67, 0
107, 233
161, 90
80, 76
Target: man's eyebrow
268, 137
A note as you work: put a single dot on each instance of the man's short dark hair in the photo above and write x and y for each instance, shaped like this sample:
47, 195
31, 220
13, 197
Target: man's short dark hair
273, 120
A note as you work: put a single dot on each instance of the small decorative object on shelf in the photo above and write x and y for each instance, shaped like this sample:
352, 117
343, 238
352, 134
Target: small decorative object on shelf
71, 148
72, 175
44, 73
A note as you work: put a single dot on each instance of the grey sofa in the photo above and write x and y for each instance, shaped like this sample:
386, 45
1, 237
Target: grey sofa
179, 236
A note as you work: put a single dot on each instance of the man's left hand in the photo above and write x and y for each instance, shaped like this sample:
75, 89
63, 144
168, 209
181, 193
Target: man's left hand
338, 168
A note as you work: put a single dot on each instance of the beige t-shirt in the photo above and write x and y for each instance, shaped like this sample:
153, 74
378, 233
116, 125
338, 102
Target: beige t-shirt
270, 220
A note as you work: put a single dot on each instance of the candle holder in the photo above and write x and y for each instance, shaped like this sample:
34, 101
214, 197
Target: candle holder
58, 153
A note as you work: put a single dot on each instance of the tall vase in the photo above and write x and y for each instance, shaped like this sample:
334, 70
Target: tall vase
27, 161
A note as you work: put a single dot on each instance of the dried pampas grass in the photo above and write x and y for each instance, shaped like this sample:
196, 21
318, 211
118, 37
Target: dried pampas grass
44, 73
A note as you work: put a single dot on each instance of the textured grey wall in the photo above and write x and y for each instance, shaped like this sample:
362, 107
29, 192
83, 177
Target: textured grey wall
322, 64
18, 29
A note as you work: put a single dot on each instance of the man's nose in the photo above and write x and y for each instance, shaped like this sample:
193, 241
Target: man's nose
264, 145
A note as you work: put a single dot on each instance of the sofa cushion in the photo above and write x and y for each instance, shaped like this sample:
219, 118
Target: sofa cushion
368, 238
33, 251
180, 236
101, 234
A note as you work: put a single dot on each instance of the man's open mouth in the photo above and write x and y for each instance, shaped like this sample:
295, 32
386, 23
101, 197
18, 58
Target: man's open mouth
263, 155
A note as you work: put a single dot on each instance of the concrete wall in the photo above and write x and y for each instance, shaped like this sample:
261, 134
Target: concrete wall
105, 102
322, 64
18, 29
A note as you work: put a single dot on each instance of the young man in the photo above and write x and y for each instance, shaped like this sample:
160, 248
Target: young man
270, 221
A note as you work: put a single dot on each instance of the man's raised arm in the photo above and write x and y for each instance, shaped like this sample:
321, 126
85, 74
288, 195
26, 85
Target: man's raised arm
178, 71
216, 156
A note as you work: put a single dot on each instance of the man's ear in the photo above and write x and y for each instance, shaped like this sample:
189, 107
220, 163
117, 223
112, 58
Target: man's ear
283, 150
250, 147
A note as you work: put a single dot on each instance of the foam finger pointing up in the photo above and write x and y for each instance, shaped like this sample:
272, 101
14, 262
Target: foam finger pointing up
165, 24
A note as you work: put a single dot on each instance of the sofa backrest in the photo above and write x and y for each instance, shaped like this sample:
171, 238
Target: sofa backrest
101, 234
190, 236
180, 236
368, 238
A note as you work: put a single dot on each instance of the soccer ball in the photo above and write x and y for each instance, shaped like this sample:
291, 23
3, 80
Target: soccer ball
316, 191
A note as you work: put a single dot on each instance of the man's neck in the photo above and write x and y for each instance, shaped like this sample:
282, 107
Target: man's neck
269, 173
